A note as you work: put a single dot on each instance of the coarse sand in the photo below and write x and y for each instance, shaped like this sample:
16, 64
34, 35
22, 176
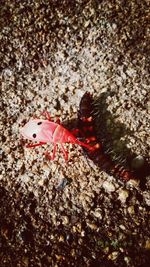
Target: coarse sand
58, 213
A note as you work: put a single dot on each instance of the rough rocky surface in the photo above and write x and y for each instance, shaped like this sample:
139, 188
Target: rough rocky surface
57, 213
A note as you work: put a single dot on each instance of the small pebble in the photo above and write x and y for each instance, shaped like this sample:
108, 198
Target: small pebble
147, 244
146, 197
97, 213
131, 210
65, 220
123, 195
61, 238
108, 186
122, 227
41, 182
93, 226
113, 256
137, 162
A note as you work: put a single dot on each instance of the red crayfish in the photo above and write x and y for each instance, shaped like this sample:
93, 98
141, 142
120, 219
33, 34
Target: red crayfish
47, 131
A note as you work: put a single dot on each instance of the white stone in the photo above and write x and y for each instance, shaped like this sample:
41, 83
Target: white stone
123, 195
108, 186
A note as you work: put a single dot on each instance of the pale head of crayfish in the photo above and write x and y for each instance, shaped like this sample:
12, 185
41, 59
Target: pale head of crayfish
38, 130
31, 130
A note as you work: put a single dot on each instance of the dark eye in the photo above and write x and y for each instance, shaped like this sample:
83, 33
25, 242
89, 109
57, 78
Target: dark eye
34, 135
39, 123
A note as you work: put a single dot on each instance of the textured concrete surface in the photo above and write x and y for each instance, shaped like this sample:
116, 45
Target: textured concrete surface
57, 213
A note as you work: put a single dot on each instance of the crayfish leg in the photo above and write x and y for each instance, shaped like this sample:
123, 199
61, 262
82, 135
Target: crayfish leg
64, 152
47, 154
54, 152
34, 145
92, 148
91, 138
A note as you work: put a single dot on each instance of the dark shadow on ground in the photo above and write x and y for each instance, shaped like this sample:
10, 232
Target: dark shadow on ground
25, 238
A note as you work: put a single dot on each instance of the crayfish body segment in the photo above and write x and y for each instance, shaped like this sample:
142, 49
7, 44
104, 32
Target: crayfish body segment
46, 131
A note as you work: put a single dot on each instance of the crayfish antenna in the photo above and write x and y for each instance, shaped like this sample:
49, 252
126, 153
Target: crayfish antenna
47, 115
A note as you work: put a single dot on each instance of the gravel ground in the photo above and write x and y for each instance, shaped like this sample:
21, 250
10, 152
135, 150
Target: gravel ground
57, 213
